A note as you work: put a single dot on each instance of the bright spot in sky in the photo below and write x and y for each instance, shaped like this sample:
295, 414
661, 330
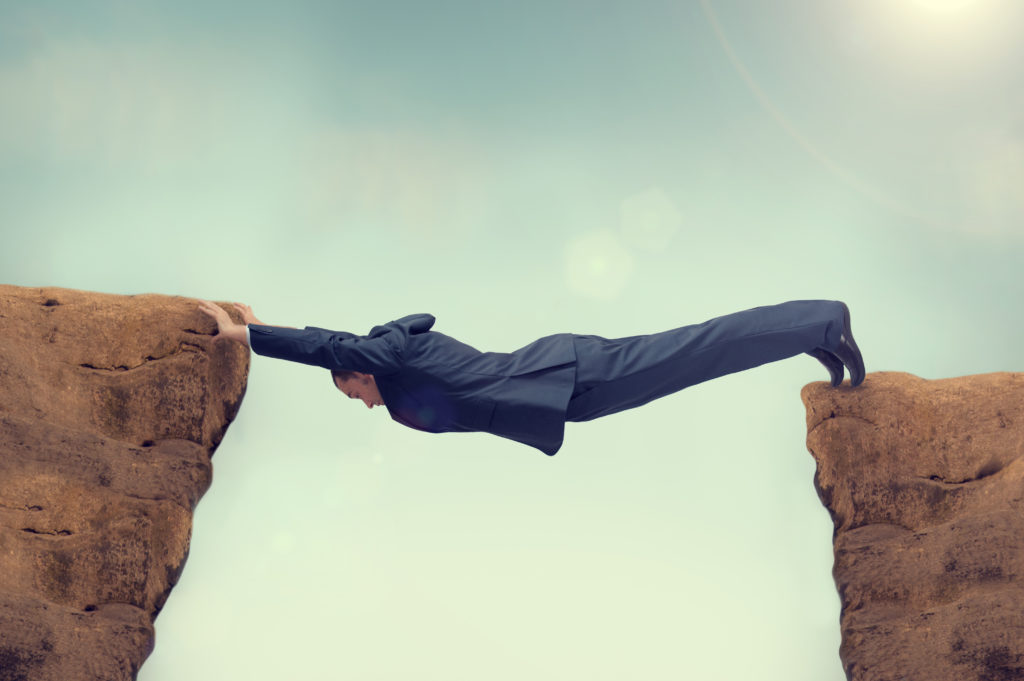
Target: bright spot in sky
947, 41
945, 5
649, 219
282, 542
597, 265
966, 14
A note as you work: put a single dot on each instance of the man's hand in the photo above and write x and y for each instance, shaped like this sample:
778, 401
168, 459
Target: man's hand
247, 316
225, 327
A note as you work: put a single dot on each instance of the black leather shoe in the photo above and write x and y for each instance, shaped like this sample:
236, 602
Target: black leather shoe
848, 352
831, 362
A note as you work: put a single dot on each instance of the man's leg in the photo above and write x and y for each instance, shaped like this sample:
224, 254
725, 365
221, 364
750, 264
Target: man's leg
617, 374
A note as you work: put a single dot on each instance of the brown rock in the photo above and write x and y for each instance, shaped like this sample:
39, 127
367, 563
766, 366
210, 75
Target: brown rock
924, 481
110, 408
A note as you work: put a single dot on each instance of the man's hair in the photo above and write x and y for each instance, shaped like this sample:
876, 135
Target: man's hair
343, 374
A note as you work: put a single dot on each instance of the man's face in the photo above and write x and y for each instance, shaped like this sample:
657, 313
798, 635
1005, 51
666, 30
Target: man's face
362, 387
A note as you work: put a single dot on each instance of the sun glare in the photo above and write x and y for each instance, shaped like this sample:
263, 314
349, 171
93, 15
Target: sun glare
954, 29
966, 12
945, 5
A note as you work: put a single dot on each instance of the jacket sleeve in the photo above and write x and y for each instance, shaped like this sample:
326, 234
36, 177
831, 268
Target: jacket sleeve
377, 353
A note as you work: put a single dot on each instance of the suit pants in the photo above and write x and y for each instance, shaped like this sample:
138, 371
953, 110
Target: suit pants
613, 375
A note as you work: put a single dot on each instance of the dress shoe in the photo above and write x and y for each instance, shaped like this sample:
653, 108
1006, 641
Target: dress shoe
848, 352
831, 362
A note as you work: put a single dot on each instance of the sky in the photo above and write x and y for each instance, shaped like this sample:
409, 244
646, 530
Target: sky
518, 170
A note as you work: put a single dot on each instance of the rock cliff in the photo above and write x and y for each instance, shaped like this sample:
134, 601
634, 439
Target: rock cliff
110, 408
924, 481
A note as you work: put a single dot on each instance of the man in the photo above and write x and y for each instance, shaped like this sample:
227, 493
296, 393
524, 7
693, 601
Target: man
432, 382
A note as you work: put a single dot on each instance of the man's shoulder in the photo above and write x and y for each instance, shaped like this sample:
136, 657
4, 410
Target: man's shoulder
406, 326
416, 323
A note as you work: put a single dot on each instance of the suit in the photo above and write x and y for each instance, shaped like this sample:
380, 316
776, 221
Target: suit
432, 382
435, 383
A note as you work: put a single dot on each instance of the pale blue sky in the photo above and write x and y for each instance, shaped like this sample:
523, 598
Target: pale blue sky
521, 169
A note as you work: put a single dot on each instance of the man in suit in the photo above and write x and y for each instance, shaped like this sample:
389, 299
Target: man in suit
432, 382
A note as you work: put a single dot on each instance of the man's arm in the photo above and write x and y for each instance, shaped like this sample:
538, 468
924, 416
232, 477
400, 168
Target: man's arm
373, 354
227, 328
249, 318
376, 353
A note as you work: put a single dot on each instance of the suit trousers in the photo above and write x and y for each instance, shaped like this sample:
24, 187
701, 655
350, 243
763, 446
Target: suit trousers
613, 375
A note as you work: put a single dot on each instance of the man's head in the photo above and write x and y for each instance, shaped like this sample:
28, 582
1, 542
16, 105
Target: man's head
358, 386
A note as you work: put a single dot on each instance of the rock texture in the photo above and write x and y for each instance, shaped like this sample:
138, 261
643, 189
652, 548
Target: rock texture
924, 481
110, 408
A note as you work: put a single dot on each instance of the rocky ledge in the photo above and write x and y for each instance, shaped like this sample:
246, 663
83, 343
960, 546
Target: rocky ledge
110, 408
924, 481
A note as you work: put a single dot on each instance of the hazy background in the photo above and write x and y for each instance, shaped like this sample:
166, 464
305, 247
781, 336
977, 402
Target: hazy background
521, 169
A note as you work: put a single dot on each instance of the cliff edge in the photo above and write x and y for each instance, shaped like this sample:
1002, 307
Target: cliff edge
110, 408
924, 481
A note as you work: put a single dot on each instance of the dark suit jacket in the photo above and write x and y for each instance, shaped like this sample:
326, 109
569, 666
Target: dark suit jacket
432, 382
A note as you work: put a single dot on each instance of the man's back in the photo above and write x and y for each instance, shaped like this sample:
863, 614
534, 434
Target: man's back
444, 385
